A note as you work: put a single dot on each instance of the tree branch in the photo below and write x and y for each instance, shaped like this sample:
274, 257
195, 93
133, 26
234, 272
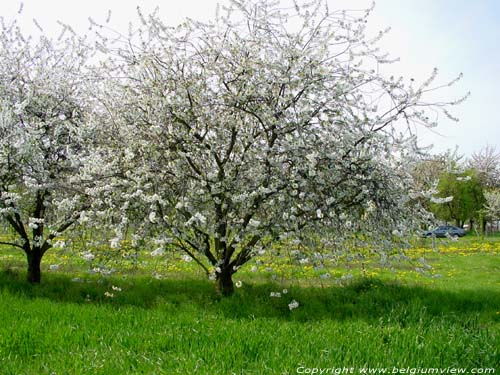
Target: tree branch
11, 244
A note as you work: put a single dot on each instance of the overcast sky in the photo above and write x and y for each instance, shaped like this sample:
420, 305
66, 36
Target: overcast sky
453, 35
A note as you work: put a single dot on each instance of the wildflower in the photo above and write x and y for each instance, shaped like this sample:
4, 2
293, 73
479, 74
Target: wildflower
275, 294
157, 252
293, 305
238, 284
108, 294
88, 256
116, 288
114, 243
285, 291
59, 244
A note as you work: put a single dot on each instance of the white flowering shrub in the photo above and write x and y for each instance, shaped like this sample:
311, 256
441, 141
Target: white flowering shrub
264, 123
45, 138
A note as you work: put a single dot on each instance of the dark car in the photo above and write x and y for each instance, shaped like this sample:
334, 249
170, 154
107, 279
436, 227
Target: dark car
445, 231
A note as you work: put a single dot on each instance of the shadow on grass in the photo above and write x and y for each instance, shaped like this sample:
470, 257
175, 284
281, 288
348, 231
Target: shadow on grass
366, 299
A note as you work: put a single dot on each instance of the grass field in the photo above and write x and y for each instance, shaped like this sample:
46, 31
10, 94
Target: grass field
132, 323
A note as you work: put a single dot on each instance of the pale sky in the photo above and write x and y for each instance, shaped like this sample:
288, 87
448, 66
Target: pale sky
453, 35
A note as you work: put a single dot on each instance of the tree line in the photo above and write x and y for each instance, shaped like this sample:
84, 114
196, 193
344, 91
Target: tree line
473, 183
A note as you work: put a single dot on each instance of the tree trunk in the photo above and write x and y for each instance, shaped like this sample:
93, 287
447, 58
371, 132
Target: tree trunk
34, 272
224, 285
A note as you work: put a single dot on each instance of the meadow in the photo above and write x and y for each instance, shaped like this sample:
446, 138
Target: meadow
157, 315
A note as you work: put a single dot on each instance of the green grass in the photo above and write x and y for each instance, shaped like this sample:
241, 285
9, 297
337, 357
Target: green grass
178, 326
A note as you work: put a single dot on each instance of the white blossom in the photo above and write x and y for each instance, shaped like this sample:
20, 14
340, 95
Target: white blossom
152, 217
293, 305
115, 242
254, 223
438, 200
158, 252
88, 256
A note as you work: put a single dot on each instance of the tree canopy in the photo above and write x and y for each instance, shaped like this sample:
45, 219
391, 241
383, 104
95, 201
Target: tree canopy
46, 138
252, 127
217, 138
467, 200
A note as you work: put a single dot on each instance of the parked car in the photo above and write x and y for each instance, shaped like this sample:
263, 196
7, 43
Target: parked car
445, 231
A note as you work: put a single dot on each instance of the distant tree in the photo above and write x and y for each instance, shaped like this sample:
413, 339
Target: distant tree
249, 128
468, 200
427, 171
487, 163
492, 205
44, 139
